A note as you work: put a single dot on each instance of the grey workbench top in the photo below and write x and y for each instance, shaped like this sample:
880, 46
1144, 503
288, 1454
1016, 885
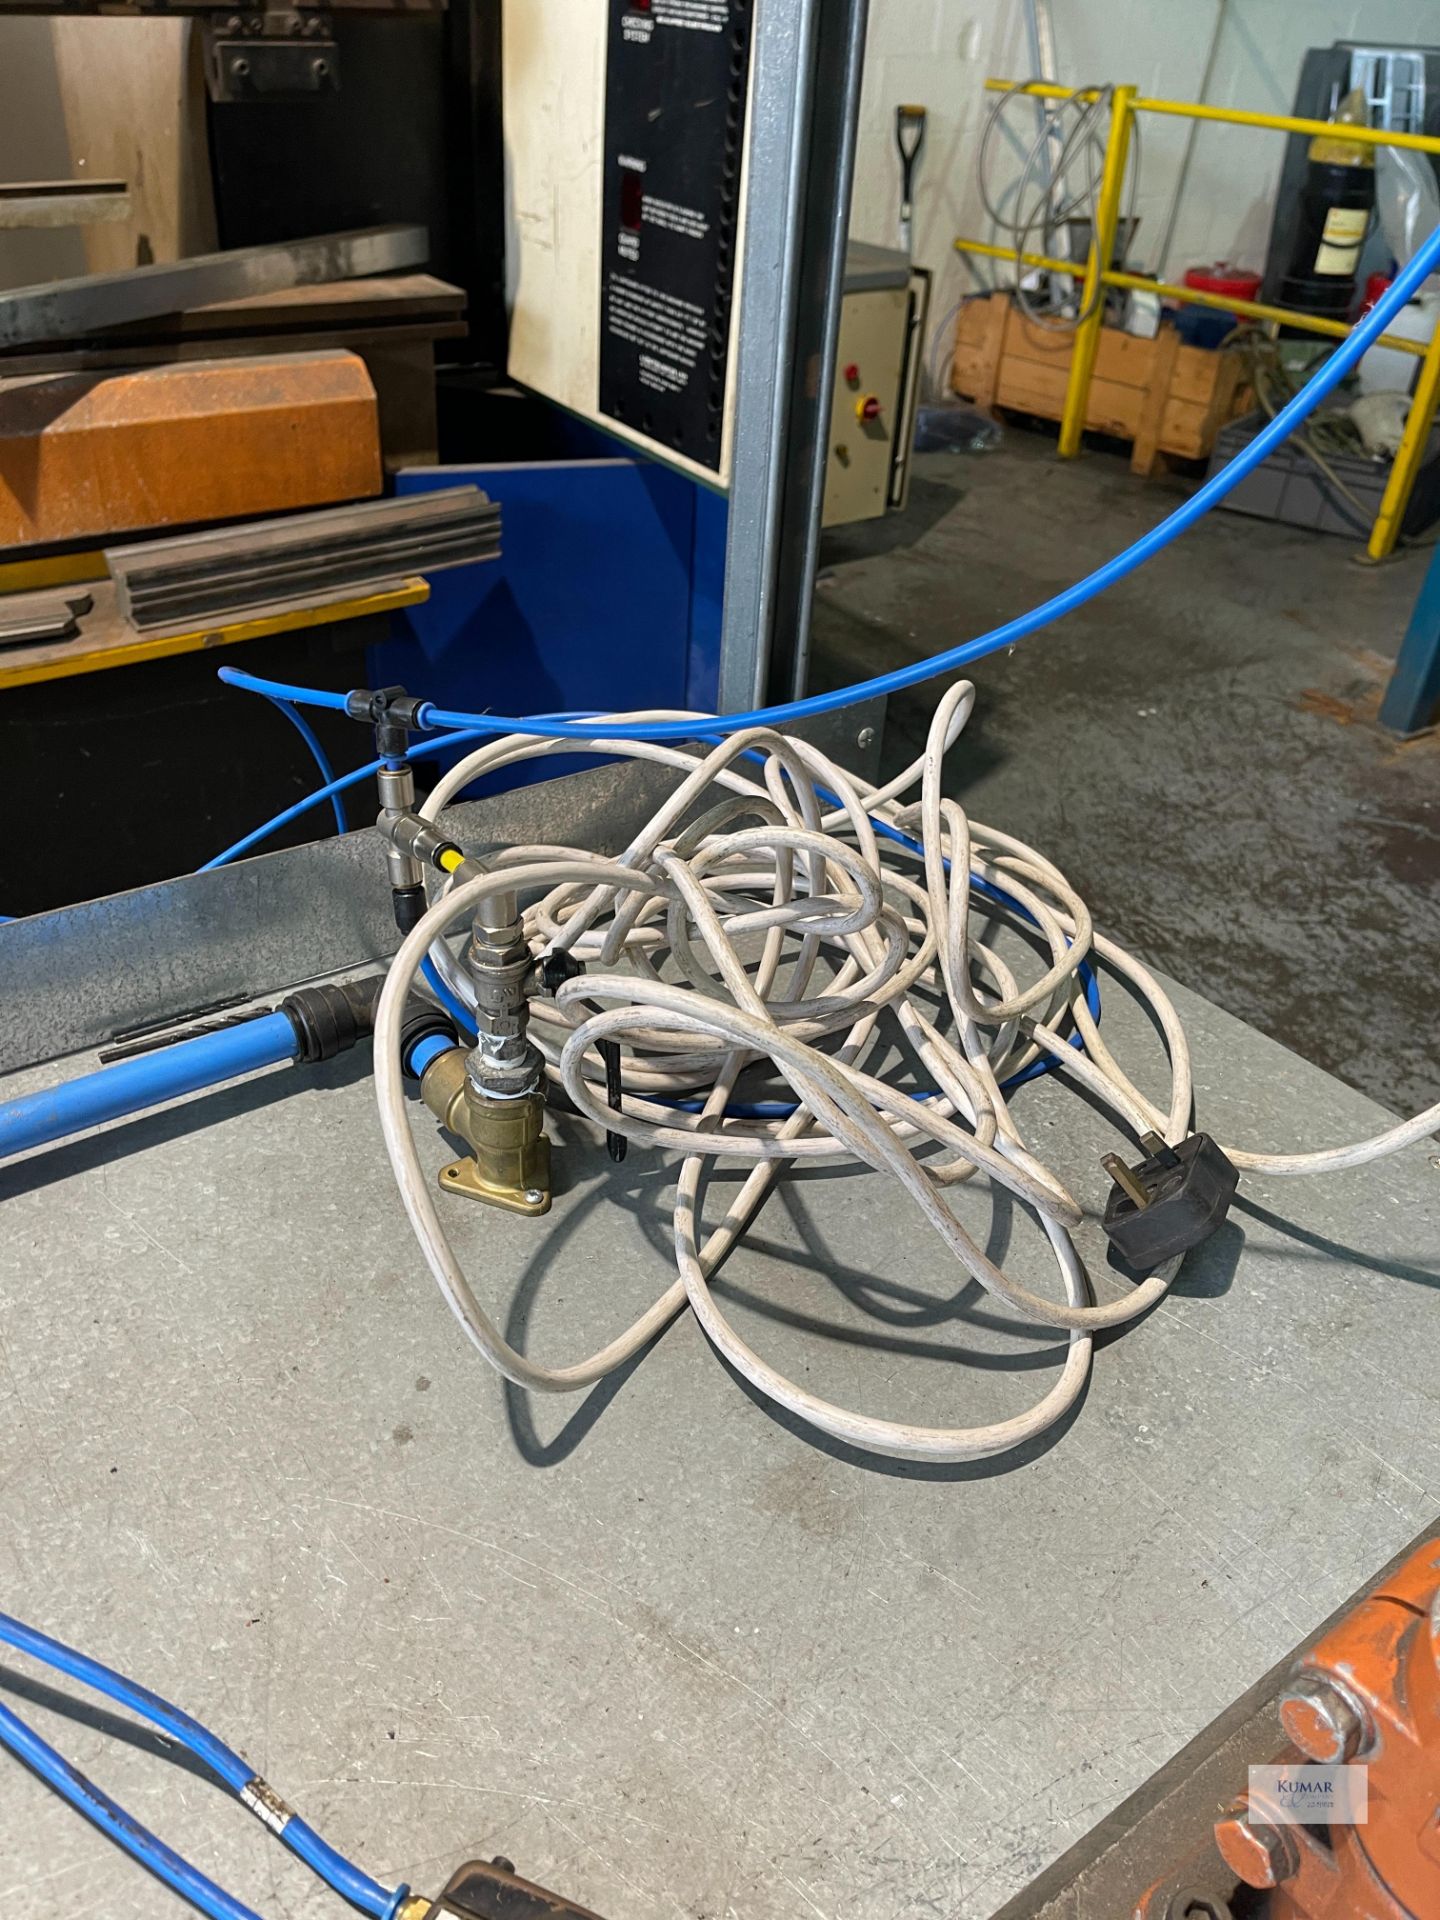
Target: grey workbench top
665, 1651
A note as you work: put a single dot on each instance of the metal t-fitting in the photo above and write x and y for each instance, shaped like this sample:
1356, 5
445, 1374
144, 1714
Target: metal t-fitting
411, 833
393, 713
397, 798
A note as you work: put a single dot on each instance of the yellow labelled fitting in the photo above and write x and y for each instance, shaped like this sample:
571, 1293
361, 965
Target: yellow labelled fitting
511, 1163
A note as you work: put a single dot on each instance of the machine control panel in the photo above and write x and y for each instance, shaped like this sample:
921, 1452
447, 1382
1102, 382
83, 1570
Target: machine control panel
676, 77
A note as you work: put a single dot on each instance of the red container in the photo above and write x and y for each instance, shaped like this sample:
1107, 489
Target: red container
1230, 282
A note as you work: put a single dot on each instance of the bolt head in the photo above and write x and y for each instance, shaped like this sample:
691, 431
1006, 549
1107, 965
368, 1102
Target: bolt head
865, 738
1261, 1856
1191, 1904
533, 1197
1319, 1719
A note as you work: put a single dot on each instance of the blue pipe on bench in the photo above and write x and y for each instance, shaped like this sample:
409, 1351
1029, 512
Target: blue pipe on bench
131, 1086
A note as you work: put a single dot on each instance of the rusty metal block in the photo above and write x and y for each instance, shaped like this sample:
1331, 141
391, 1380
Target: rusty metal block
86, 455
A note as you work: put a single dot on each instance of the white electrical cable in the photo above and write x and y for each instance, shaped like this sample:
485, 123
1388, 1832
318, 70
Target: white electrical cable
1055, 203
769, 929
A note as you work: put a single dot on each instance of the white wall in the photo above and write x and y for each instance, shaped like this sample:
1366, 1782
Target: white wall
938, 53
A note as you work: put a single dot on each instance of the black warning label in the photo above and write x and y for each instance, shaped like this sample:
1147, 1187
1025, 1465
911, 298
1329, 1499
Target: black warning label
675, 83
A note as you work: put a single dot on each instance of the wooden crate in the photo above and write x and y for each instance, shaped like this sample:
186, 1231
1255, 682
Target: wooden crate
1164, 396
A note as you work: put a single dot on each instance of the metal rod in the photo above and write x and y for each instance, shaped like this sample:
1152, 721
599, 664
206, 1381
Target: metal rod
1102, 246
1230, 116
70, 309
1192, 134
1041, 29
1193, 296
63, 203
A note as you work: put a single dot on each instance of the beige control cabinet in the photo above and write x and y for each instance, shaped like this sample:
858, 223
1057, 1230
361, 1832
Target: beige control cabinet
872, 411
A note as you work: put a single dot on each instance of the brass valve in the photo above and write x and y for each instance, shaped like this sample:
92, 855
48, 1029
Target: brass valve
510, 1167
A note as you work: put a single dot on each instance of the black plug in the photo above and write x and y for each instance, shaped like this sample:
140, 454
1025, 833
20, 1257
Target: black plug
1170, 1202
492, 1890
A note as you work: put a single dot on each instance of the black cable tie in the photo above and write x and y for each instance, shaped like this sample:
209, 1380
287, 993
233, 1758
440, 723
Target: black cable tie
615, 1143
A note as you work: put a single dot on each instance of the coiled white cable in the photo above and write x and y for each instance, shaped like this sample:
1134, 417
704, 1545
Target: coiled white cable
772, 930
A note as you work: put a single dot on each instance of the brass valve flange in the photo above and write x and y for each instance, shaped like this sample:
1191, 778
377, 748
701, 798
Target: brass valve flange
510, 1167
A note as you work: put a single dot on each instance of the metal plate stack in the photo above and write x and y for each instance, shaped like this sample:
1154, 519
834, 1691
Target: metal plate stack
264, 566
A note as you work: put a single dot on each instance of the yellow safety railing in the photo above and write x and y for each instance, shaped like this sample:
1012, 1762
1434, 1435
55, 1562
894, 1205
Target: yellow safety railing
1125, 103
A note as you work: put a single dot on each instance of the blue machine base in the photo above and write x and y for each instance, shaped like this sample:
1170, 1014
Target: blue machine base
606, 596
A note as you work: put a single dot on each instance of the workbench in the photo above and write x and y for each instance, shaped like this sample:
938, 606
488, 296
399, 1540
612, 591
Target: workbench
662, 1648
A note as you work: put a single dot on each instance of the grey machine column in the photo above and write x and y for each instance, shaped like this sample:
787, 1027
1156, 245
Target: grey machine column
808, 57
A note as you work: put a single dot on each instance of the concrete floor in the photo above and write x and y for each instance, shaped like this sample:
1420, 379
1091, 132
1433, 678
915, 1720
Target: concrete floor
1197, 750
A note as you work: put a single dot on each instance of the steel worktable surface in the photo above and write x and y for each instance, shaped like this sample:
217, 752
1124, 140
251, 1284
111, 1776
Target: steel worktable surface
657, 1645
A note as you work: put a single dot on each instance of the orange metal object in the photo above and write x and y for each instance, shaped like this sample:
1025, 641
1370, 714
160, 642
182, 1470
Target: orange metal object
86, 455
1367, 1692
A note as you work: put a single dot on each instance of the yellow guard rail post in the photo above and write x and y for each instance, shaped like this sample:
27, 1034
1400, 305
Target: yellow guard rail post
1102, 253
1125, 103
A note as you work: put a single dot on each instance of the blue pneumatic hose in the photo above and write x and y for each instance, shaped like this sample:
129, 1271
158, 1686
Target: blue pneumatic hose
130, 1086
298, 1835
318, 754
456, 1008
425, 1051
1323, 381
331, 788
330, 791
116, 1824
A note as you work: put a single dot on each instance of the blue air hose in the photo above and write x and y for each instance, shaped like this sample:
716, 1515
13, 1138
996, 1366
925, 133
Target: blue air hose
348, 1880
453, 1005
1322, 382
332, 787
425, 1052
330, 791
131, 1086
317, 753
116, 1824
